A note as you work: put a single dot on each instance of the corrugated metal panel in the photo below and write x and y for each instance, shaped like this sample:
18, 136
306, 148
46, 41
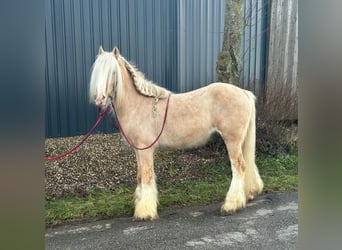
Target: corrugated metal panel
283, 46
201, 26
254, 45
174, 42
144, 31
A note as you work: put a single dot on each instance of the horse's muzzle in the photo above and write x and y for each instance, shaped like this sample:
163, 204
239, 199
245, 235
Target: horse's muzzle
100, 100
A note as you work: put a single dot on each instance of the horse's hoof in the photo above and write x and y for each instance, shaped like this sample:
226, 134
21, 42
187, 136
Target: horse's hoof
231, 205
145, 218
250, 197
225, 212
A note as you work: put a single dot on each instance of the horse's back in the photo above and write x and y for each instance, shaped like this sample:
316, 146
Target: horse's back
227, 87
213, 96
226, 93
213, 88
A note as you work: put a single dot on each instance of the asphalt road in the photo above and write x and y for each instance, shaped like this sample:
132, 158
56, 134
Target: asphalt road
269, 222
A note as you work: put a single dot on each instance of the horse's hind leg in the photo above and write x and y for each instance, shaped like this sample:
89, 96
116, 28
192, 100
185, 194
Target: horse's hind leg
235, 198
146, 194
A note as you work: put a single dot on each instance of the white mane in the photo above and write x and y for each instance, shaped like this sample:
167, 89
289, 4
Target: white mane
144, 86
106, 78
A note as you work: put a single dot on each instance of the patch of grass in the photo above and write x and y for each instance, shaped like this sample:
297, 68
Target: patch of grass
279, 174
191, 193
96, 205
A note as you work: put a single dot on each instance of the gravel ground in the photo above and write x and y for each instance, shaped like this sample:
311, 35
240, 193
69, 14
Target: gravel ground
105, 161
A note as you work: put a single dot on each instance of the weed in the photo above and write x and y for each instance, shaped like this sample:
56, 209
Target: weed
277, 116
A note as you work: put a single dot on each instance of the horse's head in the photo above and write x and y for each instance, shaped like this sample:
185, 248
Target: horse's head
106, 79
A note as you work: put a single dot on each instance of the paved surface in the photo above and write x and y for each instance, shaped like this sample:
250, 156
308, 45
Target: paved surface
269, 222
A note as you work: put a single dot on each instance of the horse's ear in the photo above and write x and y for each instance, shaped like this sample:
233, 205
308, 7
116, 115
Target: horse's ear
100, 50
116, 52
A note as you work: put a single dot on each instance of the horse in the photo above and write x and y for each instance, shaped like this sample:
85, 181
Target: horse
145, 111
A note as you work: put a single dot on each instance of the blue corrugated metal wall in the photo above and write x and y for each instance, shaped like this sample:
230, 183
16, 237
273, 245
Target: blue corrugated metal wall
174, 42
144, 31
254, 45
200, 35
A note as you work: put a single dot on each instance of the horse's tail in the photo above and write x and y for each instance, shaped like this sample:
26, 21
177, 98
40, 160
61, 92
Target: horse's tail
253, 182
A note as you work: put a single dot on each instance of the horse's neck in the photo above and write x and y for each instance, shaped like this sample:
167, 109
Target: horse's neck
131, 98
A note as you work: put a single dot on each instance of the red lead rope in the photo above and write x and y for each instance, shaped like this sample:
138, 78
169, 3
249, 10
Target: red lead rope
102, 113
82, 141
155, 140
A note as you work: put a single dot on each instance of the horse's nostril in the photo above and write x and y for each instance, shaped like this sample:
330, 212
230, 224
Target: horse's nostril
100, 99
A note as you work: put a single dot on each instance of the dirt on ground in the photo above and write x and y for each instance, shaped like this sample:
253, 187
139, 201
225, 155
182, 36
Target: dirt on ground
105, 161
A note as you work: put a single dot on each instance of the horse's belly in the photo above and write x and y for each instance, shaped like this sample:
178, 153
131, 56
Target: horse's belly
187, 138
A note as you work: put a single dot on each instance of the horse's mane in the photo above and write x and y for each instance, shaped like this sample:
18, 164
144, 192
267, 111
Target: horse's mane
106, 77
142, 85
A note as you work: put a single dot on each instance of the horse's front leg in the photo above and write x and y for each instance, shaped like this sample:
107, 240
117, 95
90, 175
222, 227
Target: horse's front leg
146, 194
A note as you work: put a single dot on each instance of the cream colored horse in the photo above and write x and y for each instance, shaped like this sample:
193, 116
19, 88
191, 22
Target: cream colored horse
192, 117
